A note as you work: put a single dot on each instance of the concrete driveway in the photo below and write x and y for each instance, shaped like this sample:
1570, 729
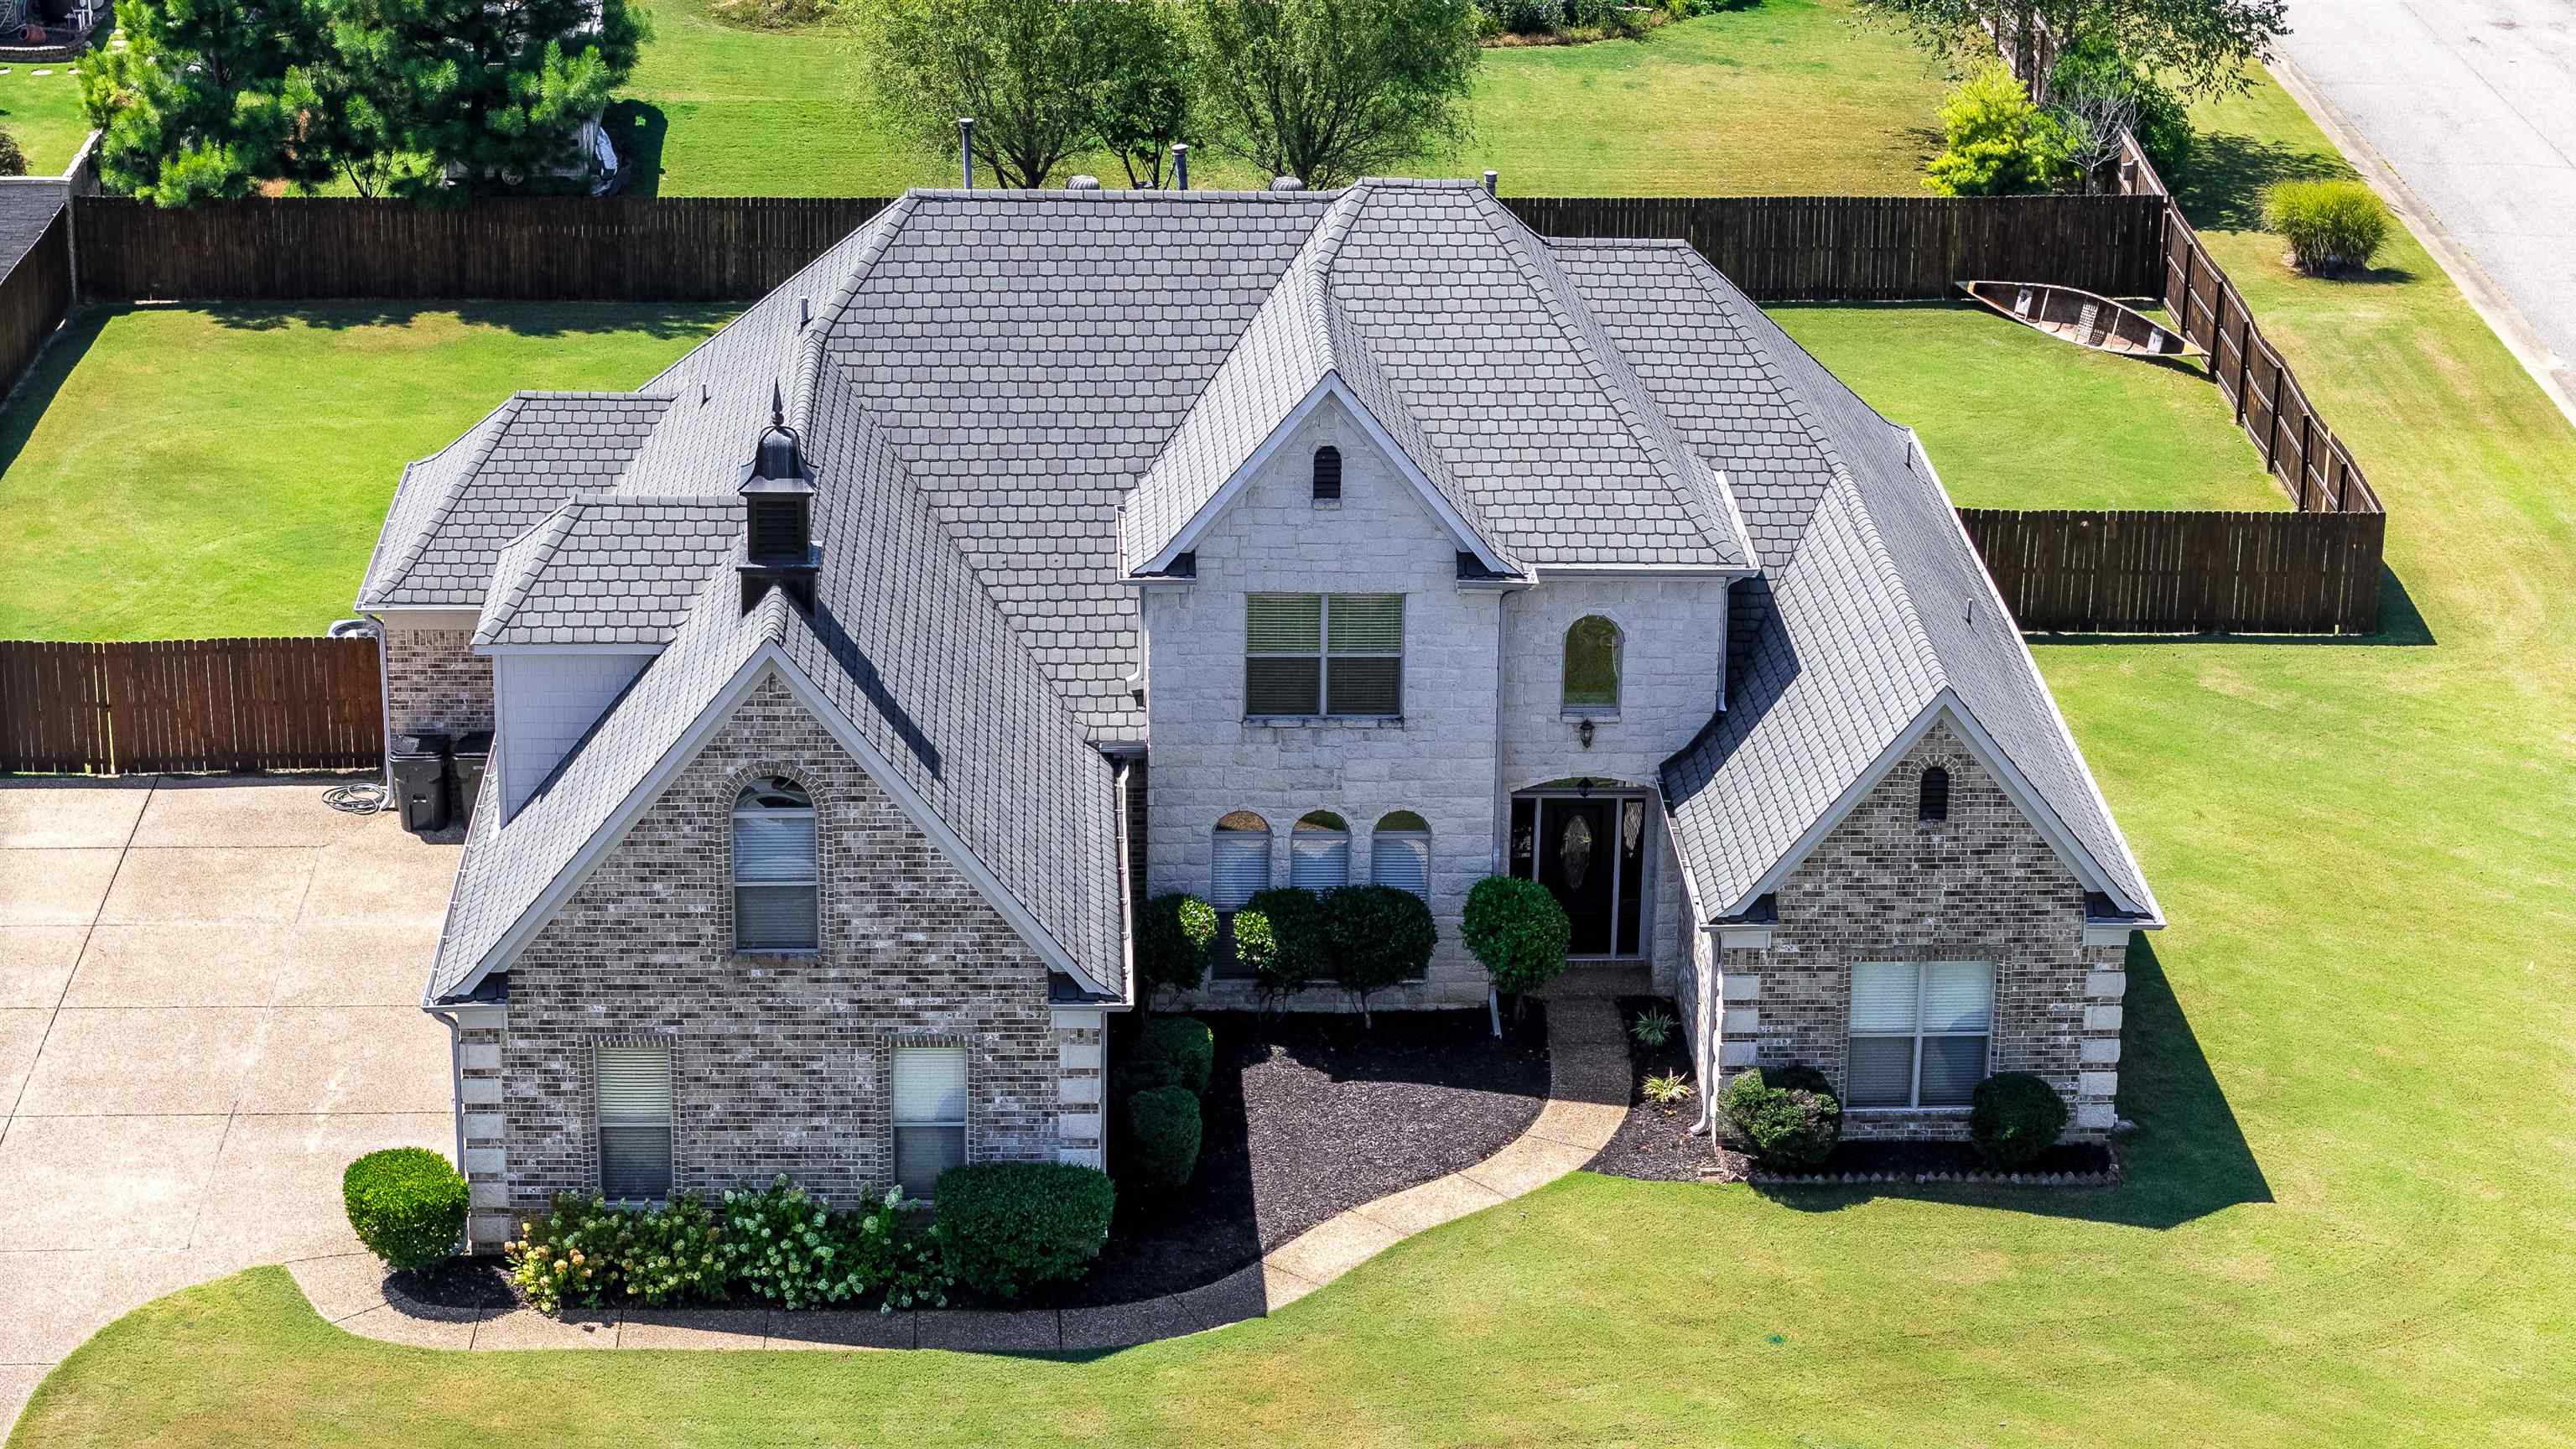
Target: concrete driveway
2472, 105
208, 1005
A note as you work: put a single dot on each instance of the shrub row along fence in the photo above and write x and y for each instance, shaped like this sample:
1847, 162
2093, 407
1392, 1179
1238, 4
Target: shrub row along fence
2183, 573
2311, 464
190, 705
708, 249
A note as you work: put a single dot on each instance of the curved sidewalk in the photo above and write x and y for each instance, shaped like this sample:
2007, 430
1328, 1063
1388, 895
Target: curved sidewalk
1587, 1098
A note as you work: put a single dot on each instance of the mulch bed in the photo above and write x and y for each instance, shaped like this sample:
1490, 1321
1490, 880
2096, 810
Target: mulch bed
1654, 1143
1311, 1115
471, 1283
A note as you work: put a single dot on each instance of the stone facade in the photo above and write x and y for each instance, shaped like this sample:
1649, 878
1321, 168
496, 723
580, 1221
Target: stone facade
1884, 886
435, 681
782, 1062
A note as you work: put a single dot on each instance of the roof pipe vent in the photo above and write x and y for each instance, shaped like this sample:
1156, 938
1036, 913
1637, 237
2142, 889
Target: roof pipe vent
1180, 165
966, 148
1084, 182
777, 514
1286, 183
1491, 178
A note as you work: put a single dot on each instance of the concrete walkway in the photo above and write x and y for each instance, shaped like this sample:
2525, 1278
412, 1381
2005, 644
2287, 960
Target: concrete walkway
1587, 1098
209, 1003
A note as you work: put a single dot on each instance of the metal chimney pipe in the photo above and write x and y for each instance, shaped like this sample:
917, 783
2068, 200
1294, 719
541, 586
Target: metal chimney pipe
966, 148
1490, 178
1181, 165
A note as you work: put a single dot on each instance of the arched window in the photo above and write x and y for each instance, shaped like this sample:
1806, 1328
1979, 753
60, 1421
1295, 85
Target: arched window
776, 885
1328, 474
1592, 664
1400, 853
1319, 852
1239, 864
1933, 801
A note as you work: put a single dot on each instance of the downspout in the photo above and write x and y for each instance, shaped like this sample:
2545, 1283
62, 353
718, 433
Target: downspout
455, 1080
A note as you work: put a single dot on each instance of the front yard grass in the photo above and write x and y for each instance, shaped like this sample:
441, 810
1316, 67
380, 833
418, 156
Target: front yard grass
196, 472
2014, 419
2349, 1059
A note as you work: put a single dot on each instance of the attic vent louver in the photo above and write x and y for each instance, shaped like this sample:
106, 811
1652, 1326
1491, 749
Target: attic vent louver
778, 514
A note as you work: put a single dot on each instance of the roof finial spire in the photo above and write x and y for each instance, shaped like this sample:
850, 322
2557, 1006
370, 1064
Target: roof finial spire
777, 404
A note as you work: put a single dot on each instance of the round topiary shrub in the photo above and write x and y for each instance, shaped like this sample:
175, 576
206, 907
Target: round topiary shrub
1378, 936
2013, 1118
1006, 1227
1173, 1051
1162, 1137
1789, 1116
1301, 954
2331, 226
407, 1205
1519, 931
1173, 939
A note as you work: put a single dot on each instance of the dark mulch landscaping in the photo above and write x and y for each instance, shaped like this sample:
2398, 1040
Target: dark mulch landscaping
1655, 1143
460, 1283
1311, 1115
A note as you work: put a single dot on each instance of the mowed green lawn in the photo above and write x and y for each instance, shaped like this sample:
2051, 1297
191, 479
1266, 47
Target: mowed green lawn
44, 113
1774, 96
2347, 1219
194, 472
2015, 419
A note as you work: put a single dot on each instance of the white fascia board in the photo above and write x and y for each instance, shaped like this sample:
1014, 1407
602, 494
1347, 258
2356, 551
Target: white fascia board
425, 616
1728, 572
1994, 595
632, 647
1329, 385
476, 1015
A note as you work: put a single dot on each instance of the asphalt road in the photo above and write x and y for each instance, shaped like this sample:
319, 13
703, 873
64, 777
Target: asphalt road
2473, 104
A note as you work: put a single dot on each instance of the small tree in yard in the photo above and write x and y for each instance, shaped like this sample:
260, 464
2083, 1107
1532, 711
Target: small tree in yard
1028, 71
1519, 931
1378, 936
13, 161
1173, 940
1142, 103
1329, 90
1998, 142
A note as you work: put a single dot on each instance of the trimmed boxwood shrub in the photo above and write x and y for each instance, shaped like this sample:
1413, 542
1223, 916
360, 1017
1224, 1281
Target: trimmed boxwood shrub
1007, 1227
1519, 931
2013, 1118
1173, 1051
1302, 954
1162, 1137
1173, 939
1378, 936
407, 1205
2331, 226
1790, 1116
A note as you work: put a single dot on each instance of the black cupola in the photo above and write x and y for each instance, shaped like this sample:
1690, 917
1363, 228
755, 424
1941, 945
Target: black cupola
778, 514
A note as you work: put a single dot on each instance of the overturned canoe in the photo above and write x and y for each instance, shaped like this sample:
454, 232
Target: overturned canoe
2081, 318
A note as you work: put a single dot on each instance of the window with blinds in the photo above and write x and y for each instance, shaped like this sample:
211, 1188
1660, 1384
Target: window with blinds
776, 880
1238, 861
634, 1110
1919, 1032
929, 1115
1323, 654
1400, 853
1319, 852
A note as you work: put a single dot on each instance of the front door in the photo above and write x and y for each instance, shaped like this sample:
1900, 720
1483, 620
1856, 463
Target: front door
1587, 851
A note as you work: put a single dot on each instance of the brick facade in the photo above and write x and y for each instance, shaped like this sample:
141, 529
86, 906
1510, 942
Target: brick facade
1883, 886
434, 681
782, 1063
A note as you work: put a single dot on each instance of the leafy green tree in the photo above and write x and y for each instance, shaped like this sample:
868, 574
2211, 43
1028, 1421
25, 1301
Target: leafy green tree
1329, 90
1142, 101
194, 105
1028, 71
2206, 43
1997, 142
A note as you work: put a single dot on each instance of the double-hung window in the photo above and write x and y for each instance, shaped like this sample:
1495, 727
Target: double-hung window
776, 883
1323, 654
634, 1080
929, 1115
1918, 1032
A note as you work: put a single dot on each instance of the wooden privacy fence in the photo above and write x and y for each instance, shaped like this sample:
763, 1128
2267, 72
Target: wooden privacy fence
1883, 248
34, 298
190, 705
705, 249
2079, 571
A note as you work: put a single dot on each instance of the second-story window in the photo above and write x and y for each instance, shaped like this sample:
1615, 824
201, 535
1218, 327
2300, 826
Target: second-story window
1323, 654
775, 880
1592, 666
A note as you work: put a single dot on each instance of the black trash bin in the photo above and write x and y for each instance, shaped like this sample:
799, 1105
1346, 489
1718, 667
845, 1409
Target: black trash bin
473, 751
420, 781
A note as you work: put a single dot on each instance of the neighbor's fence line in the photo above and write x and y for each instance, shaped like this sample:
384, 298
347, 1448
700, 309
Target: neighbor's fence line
34, 298
708, 249
190, 705
2089, 571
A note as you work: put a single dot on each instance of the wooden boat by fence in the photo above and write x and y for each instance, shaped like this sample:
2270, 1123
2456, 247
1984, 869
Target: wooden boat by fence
2082, 318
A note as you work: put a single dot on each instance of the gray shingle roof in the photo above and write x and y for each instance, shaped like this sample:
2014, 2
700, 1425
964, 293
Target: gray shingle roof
609, 569
27, 206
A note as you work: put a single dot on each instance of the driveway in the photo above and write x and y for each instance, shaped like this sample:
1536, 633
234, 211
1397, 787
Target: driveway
209, 1003
2472, 103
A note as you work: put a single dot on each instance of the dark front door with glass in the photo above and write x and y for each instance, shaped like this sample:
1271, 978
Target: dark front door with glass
1589, 851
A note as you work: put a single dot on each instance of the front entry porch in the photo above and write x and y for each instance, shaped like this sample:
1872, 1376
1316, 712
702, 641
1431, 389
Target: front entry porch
1587, 842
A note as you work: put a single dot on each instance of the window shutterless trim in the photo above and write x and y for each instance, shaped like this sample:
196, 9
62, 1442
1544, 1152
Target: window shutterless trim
1324, 654
811, 882
1917, 1036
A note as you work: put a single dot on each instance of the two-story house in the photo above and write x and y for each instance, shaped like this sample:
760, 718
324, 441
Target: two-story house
1030, 553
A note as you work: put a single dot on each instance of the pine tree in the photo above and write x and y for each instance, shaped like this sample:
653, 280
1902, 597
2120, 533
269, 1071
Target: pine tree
194, 104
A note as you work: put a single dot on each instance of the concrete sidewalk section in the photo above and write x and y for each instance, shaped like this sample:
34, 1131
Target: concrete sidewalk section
208, 1005
1587, 1098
